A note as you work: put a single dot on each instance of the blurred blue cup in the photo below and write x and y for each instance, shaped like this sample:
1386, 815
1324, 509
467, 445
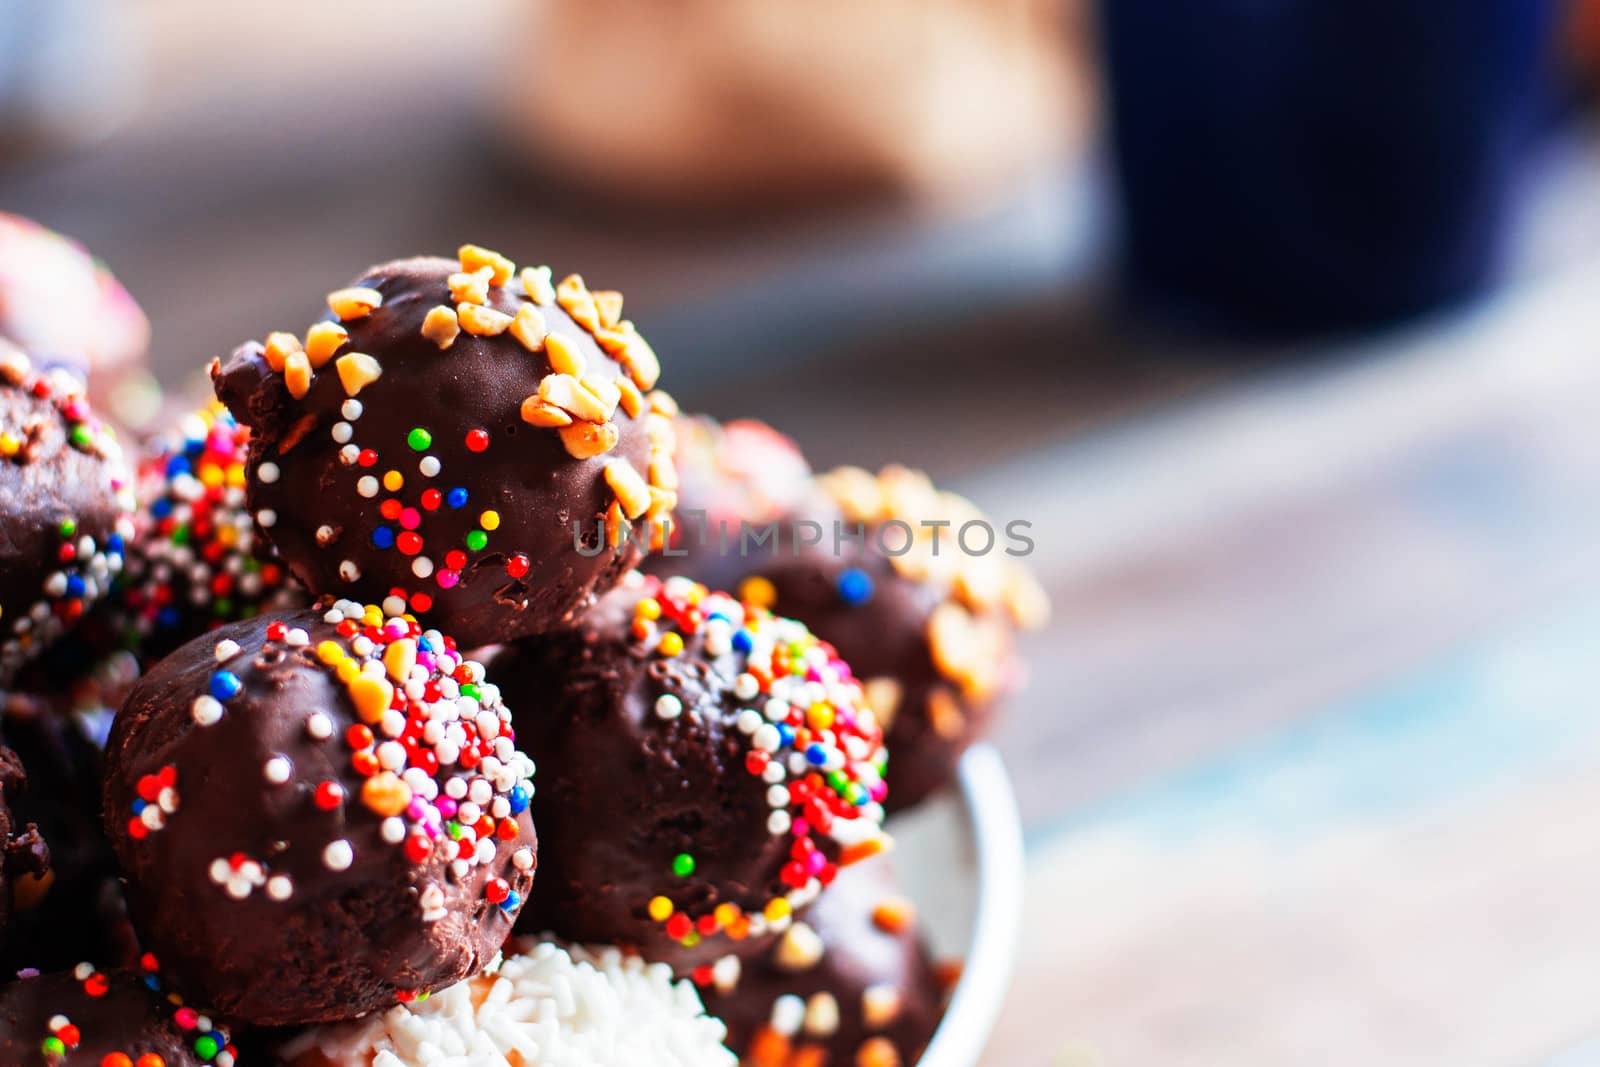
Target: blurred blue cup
1293, 167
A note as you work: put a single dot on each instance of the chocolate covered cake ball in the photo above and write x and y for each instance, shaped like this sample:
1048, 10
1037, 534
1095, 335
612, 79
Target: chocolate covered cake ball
23, 853
731, 477
319, 815
849, 983
195, 561
706, 769
66, 503
86, 1017
923, 601
460, 440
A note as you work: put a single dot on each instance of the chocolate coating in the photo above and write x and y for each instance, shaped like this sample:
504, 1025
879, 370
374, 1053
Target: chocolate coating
930, 634
318, 466
648, 756
269, 859
883, 986
65, 509
82, 1017
729, 474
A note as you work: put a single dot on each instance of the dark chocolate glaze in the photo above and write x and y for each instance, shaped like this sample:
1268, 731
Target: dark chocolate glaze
526, 474
621, 793
346, 942
48, 481
857, 954
124, 1015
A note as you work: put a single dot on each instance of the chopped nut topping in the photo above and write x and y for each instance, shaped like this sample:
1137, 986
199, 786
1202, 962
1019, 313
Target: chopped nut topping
616, 525
586, 439
661, 403
944, 713
565, 392
608, 303
883, 697
575, 297
640, 359
481, 321
1026, 600
564, 355
470, 287
632, 492
662, 501
537, 412
297, 373
441, 326
357, 370
474, 257
661, 434
354, 303
537, 284
15, 366
322, 341
880, 1005
894, 914
529, 328
632, 400
279, 345
798, 949
663, 470
606, 392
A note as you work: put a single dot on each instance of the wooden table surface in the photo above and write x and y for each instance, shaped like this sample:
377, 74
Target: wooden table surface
1307, 758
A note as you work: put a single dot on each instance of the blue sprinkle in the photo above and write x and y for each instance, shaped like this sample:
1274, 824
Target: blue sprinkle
225, 685
168, 617
178, 465
518, 799
161, 508
854, 586
785, 734
816, 755
114, 543
742, 641
512, 900
75, 586
152, 982
383, 537
139, 805
457, 498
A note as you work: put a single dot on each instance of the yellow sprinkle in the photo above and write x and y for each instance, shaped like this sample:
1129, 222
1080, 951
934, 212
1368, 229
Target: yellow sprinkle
211, 477
489, 520
330, 652
758, 591
777, 908
399, 658
393, 480
385, 794
671, 644
9, 444
820, 716
726, 914
372, 615
660, 909
348, 670
648, 608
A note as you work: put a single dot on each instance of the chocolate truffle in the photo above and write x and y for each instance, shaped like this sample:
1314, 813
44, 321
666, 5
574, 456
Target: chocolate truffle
919, 606
706, 767
86, 1017
732, 478
195, 561
849, 983
73, 911
66, 503
318, 815
457, 440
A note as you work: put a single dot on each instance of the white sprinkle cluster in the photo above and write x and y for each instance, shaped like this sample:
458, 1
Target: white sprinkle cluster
544, 1007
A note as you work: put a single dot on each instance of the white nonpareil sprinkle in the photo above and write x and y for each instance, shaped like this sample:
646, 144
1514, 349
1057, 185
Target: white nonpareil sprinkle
545, 1007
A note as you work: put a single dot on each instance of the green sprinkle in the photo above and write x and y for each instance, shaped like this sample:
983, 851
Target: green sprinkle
691, 939
453, 828
419, 439
53, 1046
683, 865
476, 540
205, 1046
471, 689
81, 437
69, 527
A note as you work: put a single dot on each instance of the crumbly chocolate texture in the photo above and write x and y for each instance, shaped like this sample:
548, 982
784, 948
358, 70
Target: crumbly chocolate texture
85, 1017
850, 983
434, 442
930, 633
23, 853
318, 815
66, 504
733, 477
73, 911
687, 807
